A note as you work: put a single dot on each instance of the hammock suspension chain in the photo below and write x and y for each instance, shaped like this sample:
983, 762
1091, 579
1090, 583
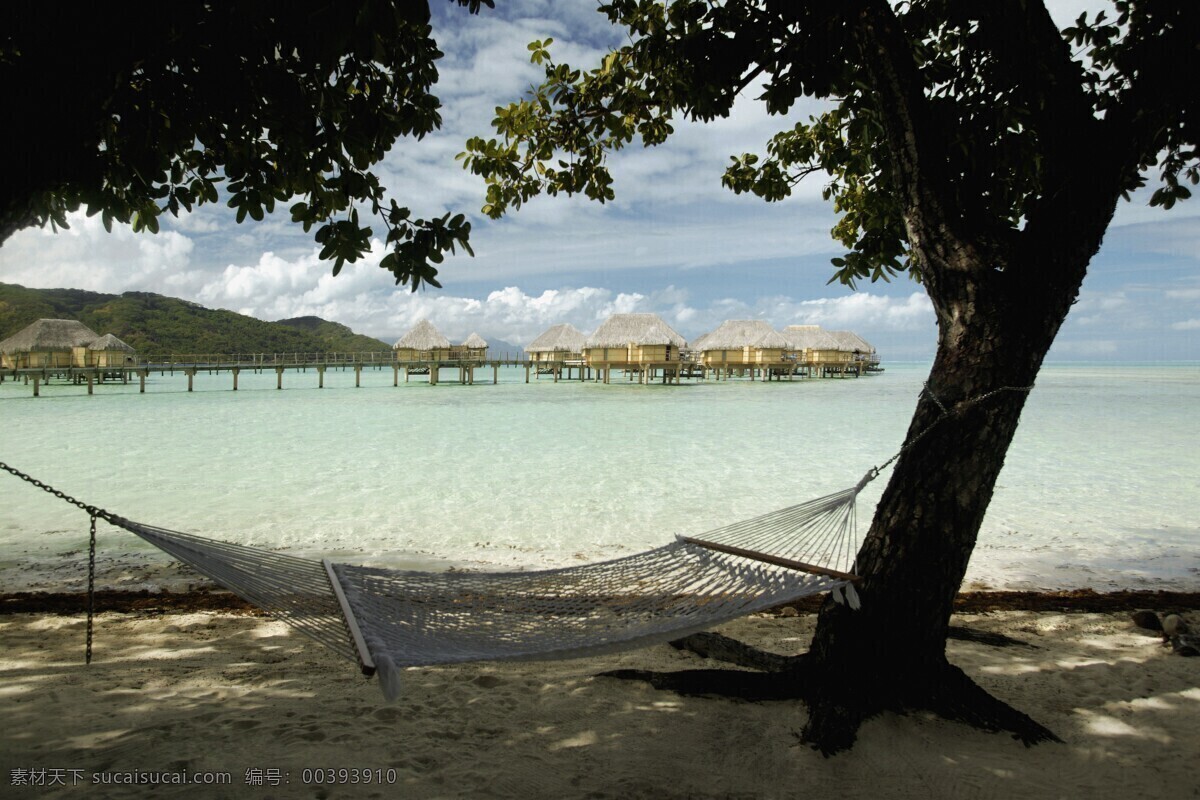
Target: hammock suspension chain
958, 408
91, 590
95, 513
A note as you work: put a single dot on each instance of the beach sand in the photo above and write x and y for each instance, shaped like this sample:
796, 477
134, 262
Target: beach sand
215, 691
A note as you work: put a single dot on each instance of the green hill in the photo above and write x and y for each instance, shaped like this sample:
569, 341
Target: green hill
337, 337
154, 324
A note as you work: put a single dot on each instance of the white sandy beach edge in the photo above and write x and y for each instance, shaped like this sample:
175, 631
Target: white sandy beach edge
241, 695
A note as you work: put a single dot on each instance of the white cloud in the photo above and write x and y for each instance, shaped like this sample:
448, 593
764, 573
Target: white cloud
1098, 308
1186, 325
365, 299
864, 309
85, 256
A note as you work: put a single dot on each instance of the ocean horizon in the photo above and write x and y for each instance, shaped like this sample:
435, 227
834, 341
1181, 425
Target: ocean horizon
1097, 492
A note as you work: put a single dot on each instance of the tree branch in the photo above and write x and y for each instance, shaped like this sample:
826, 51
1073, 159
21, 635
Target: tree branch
1079, 180
938, 240
1137, 125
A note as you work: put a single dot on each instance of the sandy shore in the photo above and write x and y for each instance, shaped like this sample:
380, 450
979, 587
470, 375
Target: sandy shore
214, 691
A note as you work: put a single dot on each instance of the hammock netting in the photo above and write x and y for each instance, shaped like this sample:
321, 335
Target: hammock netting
390, 619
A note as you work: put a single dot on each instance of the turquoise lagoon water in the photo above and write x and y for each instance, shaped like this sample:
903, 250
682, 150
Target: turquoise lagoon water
1100, 487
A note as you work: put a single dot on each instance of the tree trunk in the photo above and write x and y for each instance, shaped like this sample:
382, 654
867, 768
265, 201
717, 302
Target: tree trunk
890, 654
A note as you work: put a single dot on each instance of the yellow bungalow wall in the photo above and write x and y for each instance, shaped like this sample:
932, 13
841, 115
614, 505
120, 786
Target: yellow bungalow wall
554, 357
409, 354
112, 358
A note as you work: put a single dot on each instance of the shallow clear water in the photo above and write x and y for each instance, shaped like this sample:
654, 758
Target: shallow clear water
1099, 489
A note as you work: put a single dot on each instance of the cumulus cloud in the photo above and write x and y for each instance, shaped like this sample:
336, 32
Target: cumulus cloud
365, 298
865, 309
85, 256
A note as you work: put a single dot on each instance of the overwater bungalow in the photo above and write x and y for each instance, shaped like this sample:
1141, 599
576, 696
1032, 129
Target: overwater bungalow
109, 351
558, 345
633, 339
423, 343
819, 352
810, 344
640, 344
49, 344
473, 348
859, 348
742, 343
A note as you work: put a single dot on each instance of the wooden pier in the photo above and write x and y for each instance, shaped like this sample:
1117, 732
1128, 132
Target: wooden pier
464, 371
192, 365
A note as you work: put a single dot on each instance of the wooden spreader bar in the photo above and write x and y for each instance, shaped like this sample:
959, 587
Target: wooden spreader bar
778, 561
365, 662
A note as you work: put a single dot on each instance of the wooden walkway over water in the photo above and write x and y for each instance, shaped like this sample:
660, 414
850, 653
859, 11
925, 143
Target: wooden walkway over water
464, 370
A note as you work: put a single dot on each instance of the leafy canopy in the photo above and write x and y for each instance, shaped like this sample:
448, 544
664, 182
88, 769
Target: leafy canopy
997, 99
278, 101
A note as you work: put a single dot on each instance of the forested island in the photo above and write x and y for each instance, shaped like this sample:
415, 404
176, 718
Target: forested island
156, 324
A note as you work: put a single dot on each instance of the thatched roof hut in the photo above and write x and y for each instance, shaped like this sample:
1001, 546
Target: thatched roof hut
637, 329
49, 334
742, 341
109, 351
735, 334
851, 342
424, 342
633, 339
473, 347
560, 343
48, 343
809, 343
475, 341
809, 337
422, 336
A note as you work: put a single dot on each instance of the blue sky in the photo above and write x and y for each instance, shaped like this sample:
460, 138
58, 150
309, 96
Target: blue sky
674, 243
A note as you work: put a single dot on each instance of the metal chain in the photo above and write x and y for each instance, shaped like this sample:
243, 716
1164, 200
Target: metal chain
94, 513
957, 409
91, 593
925, 389
93, 510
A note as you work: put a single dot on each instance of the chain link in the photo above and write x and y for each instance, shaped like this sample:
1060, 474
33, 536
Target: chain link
93, 510
91, 592
94, 513
957, 409
925, 388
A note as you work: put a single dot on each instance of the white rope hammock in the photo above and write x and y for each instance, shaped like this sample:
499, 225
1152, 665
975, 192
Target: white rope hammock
391, 619
404, 618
